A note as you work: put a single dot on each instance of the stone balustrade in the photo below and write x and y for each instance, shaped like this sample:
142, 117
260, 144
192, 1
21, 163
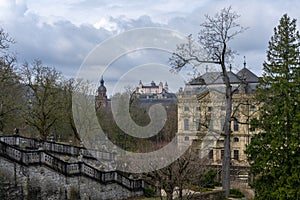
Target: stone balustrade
30, 143
30, 154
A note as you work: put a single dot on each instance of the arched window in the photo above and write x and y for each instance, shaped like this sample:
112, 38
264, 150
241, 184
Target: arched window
236, 139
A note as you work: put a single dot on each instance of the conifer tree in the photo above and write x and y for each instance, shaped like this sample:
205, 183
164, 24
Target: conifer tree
274, 154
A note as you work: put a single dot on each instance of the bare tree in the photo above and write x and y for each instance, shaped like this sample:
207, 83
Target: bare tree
83, 115
6, 57
10, 97
181, 174
69, 87
213, 40
10, 88
43, 103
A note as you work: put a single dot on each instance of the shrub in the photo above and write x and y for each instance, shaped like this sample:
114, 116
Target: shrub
74, 194
208, 180
149, 192
236, 193
195, 188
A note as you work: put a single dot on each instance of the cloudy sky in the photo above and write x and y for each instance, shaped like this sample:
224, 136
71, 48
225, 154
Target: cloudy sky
62, 32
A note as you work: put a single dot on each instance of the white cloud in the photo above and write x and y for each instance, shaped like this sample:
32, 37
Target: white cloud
11, 10
106, 24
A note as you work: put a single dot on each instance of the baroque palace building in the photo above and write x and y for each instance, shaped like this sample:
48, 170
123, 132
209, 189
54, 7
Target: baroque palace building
201, 114
153, 93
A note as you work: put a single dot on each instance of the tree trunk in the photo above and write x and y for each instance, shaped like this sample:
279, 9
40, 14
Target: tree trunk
226, 166
169, 195
74, 129
227, 133
180, 195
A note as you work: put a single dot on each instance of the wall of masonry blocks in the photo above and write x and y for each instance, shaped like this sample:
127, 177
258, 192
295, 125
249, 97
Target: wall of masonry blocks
40, 182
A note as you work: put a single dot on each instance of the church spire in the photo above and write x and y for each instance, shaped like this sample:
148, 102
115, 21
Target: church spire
102, 81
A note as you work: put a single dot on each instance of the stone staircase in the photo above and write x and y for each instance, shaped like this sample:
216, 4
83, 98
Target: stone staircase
34, 158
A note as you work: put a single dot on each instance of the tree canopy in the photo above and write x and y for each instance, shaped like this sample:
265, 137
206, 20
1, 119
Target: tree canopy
274, 153
43, 86
10, 89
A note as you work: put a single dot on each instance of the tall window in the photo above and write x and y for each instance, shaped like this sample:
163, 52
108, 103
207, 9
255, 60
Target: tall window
186, 124
252, 128
236, 125
211, 154
186, 108
222, 154
236, 139
236, 154
198, 125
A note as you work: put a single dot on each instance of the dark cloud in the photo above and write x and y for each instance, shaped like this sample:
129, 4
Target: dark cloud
62, 44
62, 34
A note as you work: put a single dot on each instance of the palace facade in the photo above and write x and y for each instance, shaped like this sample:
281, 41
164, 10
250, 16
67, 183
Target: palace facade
201, 114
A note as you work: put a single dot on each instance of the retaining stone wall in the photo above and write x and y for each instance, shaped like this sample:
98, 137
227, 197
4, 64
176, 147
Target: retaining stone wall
39, 182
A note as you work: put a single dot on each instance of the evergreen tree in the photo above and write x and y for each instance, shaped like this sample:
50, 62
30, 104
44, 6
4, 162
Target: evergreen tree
274, 154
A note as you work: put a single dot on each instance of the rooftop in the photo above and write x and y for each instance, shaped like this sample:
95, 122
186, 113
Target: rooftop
211, 78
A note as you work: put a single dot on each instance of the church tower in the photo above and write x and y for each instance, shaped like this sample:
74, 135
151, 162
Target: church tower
101, 98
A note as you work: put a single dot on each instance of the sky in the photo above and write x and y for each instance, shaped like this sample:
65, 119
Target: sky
63, 33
